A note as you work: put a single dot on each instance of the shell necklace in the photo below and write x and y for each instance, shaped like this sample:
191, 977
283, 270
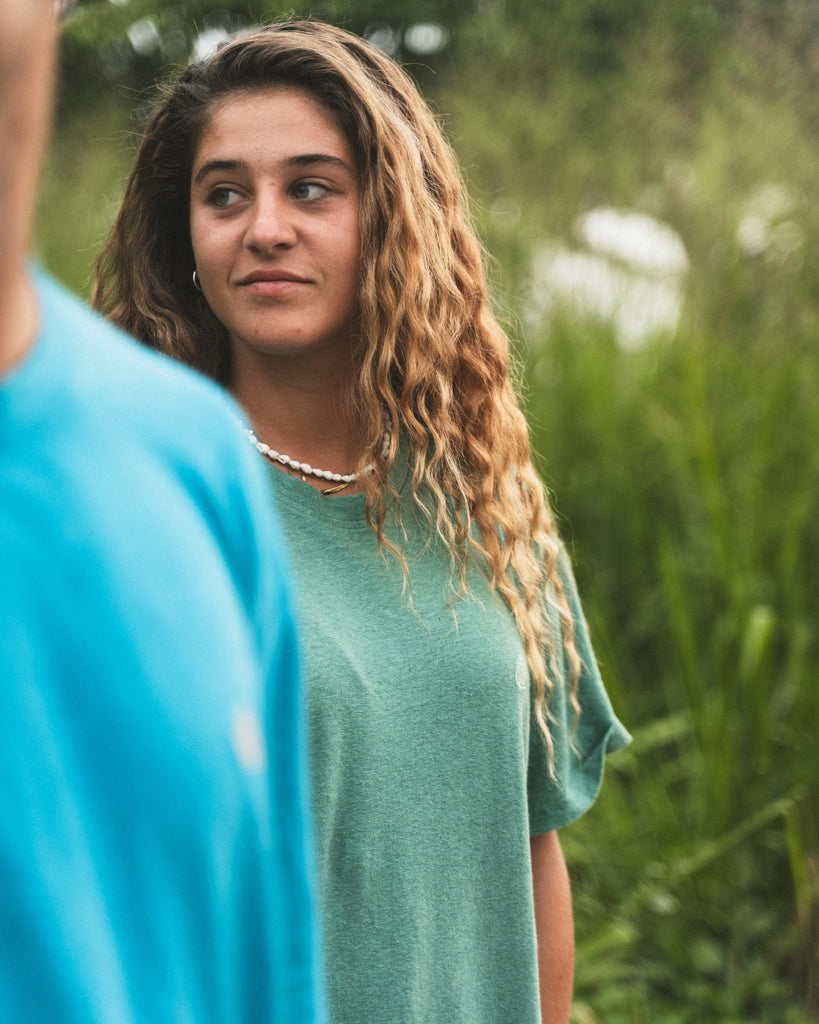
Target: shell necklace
338, 481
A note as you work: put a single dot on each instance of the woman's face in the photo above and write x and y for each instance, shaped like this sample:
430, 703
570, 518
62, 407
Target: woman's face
274, 222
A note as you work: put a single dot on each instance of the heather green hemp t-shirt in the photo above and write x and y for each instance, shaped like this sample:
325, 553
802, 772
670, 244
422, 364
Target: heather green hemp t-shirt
428, 779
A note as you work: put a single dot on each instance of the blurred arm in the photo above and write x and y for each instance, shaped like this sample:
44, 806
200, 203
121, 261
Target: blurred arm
554, 923
28, 36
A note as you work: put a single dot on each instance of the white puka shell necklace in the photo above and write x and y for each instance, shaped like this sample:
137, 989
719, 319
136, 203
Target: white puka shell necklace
338, 480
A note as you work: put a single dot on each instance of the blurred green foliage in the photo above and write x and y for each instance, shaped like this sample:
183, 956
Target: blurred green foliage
685, 469
131, 42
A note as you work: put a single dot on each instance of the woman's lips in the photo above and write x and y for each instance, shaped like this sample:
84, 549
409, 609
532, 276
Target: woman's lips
272, 282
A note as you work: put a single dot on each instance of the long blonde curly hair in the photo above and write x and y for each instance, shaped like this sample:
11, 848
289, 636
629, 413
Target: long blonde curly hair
432, 356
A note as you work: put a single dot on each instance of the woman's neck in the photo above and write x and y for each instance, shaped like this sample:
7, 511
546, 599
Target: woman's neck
303, 415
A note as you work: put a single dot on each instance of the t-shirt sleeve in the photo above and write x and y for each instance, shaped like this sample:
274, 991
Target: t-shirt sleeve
581, 747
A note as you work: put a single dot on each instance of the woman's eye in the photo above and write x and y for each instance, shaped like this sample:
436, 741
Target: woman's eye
224, 197
309, 190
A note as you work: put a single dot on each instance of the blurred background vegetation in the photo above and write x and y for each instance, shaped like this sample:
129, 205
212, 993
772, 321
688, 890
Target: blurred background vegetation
644, 174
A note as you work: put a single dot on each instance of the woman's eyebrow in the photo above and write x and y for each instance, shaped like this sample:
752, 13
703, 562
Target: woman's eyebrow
218, 165
307, 159
302, 160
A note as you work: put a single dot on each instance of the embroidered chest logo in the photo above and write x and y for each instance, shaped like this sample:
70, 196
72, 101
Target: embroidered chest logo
247, 739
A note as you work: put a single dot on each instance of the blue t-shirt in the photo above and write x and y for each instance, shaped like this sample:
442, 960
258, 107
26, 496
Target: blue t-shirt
155, 853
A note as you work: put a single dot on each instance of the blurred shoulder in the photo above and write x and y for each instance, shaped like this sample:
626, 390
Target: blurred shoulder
113, 376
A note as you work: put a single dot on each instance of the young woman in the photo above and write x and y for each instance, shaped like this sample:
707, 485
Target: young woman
295, 227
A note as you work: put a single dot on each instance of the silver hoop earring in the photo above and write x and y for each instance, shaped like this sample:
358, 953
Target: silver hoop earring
196, 283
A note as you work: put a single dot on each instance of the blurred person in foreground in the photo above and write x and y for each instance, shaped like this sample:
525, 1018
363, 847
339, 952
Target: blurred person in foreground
295, 226
154, 847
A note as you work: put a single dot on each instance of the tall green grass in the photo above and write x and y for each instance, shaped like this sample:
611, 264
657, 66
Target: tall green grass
686, 478
86, 168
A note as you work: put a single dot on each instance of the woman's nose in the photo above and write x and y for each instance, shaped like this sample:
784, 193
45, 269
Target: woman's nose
271, 223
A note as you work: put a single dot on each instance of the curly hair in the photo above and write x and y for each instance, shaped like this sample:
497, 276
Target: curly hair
431, 356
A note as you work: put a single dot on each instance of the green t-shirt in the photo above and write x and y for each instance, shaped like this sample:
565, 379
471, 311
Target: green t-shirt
428, 779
